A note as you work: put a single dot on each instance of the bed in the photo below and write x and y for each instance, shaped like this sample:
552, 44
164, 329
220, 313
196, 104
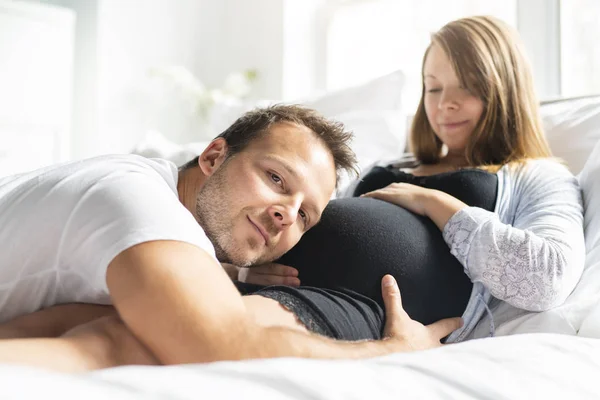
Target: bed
526, 366
551, 354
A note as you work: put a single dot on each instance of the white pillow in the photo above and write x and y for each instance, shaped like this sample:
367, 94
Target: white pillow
585, 299
572, 128
373, 112
384, 93
381, 94
589, 179
155, 145
377, 135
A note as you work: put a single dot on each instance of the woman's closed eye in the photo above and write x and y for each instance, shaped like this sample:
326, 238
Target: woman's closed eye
433, 90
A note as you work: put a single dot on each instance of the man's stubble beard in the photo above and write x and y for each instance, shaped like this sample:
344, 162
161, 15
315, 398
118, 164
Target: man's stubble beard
213, 214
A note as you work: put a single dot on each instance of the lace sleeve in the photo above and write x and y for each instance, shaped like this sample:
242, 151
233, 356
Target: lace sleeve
535, 261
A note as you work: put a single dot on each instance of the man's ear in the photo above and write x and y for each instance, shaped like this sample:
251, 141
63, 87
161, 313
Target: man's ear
213, 156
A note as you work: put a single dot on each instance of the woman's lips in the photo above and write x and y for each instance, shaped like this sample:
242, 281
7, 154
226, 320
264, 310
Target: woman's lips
453, 125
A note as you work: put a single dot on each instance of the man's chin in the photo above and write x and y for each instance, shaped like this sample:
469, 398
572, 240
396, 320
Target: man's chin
241, 260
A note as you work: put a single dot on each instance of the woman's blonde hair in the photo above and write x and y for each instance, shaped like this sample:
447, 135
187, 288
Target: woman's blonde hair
489, 60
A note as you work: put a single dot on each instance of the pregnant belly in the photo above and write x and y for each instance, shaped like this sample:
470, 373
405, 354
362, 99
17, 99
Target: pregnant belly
359, 240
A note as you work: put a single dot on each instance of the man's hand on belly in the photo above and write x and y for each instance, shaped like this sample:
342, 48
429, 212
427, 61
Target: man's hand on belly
412, 335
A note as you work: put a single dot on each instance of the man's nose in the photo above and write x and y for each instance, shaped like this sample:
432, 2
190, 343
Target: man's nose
284, 215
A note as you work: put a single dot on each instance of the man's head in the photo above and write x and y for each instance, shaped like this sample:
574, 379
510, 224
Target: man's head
265, 180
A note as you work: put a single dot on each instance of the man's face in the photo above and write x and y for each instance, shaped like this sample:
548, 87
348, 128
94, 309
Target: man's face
258, 203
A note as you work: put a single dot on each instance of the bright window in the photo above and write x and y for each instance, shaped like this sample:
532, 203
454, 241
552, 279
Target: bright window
580, 51
366, 39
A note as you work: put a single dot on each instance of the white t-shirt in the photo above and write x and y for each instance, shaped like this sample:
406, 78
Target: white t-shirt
62, 225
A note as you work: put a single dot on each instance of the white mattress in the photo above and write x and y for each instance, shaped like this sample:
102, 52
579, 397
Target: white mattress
513, 367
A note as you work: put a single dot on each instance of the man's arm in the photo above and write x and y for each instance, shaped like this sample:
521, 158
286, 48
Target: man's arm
181, 304
53, 321
231, 270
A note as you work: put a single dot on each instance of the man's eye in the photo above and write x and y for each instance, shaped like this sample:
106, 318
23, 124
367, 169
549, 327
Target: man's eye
275, 178
303, 215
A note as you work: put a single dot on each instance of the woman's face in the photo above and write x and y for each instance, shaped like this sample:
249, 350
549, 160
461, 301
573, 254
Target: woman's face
452, 110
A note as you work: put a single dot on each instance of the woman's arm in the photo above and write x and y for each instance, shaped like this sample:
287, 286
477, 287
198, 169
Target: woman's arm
535, 260
532, 262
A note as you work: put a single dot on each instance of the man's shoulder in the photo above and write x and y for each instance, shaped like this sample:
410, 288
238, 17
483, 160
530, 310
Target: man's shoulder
119, 169
113, 163
127, 163
121, 176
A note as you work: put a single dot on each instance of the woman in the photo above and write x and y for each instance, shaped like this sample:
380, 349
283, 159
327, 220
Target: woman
479, 103
483, 176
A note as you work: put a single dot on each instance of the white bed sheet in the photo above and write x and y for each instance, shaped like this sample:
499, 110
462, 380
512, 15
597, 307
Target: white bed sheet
513, 367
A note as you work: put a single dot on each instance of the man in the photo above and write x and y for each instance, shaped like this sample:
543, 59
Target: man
139, 234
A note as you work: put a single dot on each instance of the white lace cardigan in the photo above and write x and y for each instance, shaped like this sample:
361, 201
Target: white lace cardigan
530, 251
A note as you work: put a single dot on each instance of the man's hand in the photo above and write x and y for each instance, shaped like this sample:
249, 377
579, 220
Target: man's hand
270, 274
411, 334
232, 270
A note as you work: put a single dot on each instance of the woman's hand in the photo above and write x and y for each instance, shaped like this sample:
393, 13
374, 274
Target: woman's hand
405, 195
270, 274
435, 204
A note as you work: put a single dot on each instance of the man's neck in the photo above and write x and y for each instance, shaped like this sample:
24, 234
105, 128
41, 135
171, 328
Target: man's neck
188, 182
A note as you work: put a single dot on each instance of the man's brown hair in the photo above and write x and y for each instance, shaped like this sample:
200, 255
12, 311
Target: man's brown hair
256, 123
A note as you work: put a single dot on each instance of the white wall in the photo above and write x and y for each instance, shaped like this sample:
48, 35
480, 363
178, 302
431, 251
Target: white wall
133, 38
210, 38
36, 68
118, 42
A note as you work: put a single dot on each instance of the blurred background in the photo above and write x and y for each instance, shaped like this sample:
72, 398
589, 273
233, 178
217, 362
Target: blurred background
79, 78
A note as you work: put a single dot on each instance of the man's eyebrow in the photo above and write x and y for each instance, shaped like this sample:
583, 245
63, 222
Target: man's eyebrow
284, 164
